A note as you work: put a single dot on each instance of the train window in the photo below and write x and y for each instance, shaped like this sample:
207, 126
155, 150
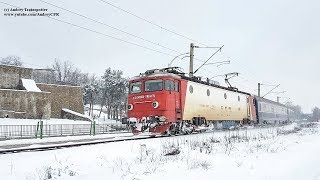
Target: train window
153, 85
238, 98
191, 89
225, 95
135, 87
176, 86
168, 85
208, 92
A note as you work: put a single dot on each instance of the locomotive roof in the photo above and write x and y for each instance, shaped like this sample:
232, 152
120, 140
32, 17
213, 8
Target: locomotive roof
160, 74
177, 73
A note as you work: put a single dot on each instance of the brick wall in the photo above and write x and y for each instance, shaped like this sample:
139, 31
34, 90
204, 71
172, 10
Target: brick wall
63, 96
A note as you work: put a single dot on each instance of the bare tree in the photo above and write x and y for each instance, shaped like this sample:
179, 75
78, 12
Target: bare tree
12, 60
44, 76
67, 73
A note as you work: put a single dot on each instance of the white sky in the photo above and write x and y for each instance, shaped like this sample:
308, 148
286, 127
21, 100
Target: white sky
272, 42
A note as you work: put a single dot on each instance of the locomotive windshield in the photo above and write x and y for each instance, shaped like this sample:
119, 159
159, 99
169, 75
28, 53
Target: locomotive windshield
153, 85
135, 87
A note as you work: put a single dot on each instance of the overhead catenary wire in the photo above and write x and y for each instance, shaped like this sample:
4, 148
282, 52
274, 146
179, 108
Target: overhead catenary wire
109, 26
209, 58
103, 34
106, 35
112, 37
109, 36
150, 22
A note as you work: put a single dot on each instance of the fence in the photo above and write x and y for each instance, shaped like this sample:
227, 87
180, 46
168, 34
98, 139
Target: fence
55, 130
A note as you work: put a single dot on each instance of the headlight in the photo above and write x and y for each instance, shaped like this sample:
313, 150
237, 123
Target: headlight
130, 107
155, 104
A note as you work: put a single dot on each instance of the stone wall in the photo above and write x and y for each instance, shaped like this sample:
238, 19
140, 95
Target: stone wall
63, 96
10, 76
24, 104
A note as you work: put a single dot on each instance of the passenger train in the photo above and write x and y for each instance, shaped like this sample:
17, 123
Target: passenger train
166, 101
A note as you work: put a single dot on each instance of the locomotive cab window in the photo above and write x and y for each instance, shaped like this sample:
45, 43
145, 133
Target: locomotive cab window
135, 87
153, 85
168, 85
176, 86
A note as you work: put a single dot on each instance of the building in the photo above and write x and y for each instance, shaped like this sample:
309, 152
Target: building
21, 97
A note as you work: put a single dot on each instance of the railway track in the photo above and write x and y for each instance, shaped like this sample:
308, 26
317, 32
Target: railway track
73, 144
76, 144
93, 142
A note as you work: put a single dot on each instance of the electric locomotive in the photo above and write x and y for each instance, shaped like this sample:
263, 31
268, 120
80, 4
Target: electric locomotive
165, 101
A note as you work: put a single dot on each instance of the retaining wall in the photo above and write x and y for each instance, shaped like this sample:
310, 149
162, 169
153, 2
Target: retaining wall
24, 104
63, 96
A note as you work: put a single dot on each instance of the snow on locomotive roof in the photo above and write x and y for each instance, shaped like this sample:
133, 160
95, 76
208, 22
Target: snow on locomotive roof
159, 72
155, 75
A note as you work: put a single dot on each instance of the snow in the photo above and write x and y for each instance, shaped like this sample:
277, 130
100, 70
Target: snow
30, 85
76, 113
269, 153
59, 140
103, 115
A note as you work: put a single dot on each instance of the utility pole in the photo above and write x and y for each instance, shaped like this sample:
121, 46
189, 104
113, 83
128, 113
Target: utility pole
259, 89
278, 99
191, 60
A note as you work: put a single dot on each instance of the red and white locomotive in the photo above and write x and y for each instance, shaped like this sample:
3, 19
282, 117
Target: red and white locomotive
166, 101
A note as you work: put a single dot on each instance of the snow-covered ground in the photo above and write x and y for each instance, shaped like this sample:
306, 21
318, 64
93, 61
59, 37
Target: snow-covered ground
59, 140
269, 153
96, 112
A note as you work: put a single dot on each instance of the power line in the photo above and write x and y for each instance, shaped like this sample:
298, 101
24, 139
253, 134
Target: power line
122, 40
209, 58
109, 26
115, 28
150, 22
106, 35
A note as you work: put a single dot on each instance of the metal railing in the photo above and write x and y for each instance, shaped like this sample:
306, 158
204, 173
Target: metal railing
56, 130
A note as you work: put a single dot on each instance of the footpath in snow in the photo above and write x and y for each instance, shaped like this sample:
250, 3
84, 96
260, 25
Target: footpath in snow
286, 153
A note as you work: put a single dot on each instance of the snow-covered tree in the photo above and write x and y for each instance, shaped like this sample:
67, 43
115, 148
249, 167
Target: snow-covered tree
11, 60
114, 90
90, 92
315, 114
297, 111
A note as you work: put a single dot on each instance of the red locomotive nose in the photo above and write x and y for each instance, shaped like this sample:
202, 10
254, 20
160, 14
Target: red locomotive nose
153, 97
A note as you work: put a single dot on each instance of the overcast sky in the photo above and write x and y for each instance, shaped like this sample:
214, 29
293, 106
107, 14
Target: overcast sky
271, 42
